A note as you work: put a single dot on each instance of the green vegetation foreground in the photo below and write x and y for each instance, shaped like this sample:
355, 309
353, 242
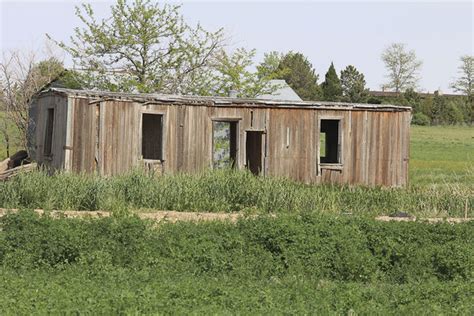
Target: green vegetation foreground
227, 191
290, 264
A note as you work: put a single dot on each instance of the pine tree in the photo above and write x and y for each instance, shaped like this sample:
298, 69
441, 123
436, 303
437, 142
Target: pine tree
331, 87
411, 98
353, 85
439, 109
298, 72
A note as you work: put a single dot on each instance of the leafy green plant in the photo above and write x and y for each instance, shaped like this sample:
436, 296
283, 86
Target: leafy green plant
297, 263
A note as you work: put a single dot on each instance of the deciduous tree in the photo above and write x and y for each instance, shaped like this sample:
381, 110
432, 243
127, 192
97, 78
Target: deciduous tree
142, 46
22, 76
269, 66
465, 84
402, 67
465, 81
232, 74
439, 108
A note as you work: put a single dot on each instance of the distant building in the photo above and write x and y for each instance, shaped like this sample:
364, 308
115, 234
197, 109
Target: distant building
393, 94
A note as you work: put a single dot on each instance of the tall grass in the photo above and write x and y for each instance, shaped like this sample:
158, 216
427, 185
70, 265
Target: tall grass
225, 191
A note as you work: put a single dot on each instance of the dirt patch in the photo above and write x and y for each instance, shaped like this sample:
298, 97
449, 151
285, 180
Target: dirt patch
175, 216
160, 216
453, 220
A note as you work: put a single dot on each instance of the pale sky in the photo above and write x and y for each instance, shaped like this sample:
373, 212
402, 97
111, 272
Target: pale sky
343, 32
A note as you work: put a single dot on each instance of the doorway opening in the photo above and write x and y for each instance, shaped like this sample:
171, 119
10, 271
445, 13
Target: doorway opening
224, 143
254, 152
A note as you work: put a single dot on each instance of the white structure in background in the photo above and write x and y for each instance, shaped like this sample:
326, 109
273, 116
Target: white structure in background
283, 92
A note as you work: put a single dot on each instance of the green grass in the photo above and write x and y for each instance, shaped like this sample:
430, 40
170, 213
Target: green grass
305, 264
442, 155
226, 190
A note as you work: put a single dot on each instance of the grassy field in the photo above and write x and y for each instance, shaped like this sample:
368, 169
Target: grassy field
227, 190
441, 155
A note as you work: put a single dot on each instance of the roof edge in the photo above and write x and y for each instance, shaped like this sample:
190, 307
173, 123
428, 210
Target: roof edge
217, 101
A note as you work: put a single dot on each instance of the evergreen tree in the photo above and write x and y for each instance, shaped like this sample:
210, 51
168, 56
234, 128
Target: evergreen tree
298, 72
331, 87
439, 109
411, 98
426, 106
453, 114
353, 85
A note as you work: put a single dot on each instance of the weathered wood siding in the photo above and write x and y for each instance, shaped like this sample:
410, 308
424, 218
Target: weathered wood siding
38, 126
292, 143
83, 136
374, 148
105, 137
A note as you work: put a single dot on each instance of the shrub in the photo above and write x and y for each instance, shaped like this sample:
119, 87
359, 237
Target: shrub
286, 264
420, 119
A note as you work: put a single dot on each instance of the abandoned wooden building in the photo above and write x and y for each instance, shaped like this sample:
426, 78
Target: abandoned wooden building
313, 142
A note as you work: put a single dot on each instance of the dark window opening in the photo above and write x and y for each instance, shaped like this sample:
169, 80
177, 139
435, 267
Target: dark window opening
152, 136
224, 142
330, 145
48, 137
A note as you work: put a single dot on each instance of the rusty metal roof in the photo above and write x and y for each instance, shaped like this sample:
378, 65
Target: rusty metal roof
219, 101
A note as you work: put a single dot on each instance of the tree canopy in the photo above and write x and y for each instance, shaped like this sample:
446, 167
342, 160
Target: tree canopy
465, 84
21, 77
300, 75
353, 85
402, 67
232, 74
147, 47
465, 81
331, 87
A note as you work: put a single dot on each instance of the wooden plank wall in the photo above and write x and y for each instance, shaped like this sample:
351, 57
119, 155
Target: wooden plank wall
59, 104
105, 136
84, 136
374, 143
119, 137
292, 148
375, 149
